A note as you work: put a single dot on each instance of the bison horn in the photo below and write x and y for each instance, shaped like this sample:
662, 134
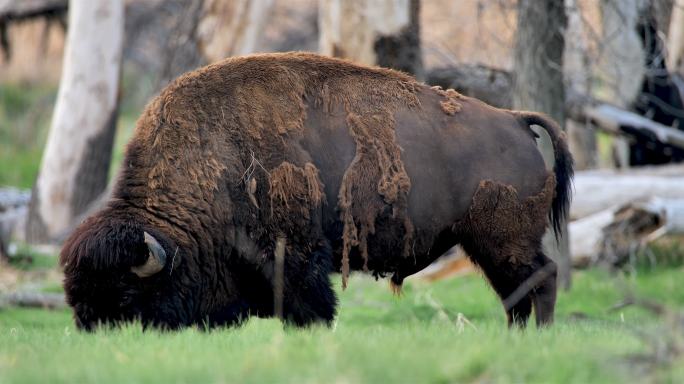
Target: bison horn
155, 262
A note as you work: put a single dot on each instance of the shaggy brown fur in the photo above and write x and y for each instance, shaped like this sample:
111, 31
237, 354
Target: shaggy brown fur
357, 167
273, 118
376, 178
509, 224
295, 191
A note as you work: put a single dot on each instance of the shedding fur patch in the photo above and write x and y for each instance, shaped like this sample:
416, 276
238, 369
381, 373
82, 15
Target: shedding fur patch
238, 125
375, 179
510, 225
294, 189
450, 106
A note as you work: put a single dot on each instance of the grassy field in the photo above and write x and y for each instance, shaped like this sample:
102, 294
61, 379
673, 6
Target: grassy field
449, 331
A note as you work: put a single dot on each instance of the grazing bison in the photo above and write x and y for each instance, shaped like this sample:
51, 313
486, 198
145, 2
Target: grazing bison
266, 173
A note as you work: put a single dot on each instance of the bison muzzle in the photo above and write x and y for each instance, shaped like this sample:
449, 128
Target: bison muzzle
340, 167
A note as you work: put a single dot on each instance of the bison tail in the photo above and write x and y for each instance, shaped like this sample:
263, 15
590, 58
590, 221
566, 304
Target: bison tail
563, 167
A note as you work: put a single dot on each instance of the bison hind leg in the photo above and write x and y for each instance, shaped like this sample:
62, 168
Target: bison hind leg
544, 293
505, 279
521, 283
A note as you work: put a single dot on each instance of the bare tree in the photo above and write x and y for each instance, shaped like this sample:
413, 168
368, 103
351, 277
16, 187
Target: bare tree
375, 32
621, 60
538, 84
232, 27
676, 38
77, 155
578, 77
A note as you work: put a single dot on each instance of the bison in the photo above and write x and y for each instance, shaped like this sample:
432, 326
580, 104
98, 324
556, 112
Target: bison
248, 182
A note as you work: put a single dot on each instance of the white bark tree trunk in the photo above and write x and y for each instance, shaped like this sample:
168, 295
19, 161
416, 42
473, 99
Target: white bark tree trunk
232, 27
372, 32
76, 159
675, 45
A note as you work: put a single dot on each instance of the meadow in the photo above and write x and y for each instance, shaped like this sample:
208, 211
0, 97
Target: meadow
448, 331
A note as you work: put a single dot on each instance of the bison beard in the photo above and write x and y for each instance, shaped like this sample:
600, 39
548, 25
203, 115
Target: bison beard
344, 167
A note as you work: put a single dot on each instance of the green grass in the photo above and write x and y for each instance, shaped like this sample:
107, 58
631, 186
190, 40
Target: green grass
377, 338
28, 258
25, 112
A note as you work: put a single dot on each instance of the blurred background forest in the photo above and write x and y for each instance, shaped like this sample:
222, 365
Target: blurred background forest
74, 77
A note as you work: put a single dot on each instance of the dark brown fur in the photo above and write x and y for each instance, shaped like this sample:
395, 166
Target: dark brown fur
359, 168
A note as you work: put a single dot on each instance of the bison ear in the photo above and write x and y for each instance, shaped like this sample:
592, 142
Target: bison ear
156, 260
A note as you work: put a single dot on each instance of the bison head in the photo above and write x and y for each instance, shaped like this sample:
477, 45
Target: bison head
117, 270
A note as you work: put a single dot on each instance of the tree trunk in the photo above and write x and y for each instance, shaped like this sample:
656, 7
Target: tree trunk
232, 27
376, 32
675, 46
538, 84
576, 65
621, 62
182, 51
76, 159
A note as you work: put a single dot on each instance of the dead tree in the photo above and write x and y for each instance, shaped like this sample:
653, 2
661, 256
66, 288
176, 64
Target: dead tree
232, 28
77, 155
538, 86
578, 76
675, 46
376, 32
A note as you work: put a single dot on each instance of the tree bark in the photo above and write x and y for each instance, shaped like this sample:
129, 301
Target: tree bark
182, 50
577, 73
613, 236
622, 61
601, 189
376, 32
76, 159
33, 300
12, 11
675, 46
538, 86
232, 27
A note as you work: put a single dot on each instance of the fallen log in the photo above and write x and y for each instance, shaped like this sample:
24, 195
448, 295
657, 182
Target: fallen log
614, 236
491, 85
33, 300
598, 190
454, 263
619, 121
13, 208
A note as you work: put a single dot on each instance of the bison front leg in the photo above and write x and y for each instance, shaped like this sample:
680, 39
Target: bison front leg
303, 292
